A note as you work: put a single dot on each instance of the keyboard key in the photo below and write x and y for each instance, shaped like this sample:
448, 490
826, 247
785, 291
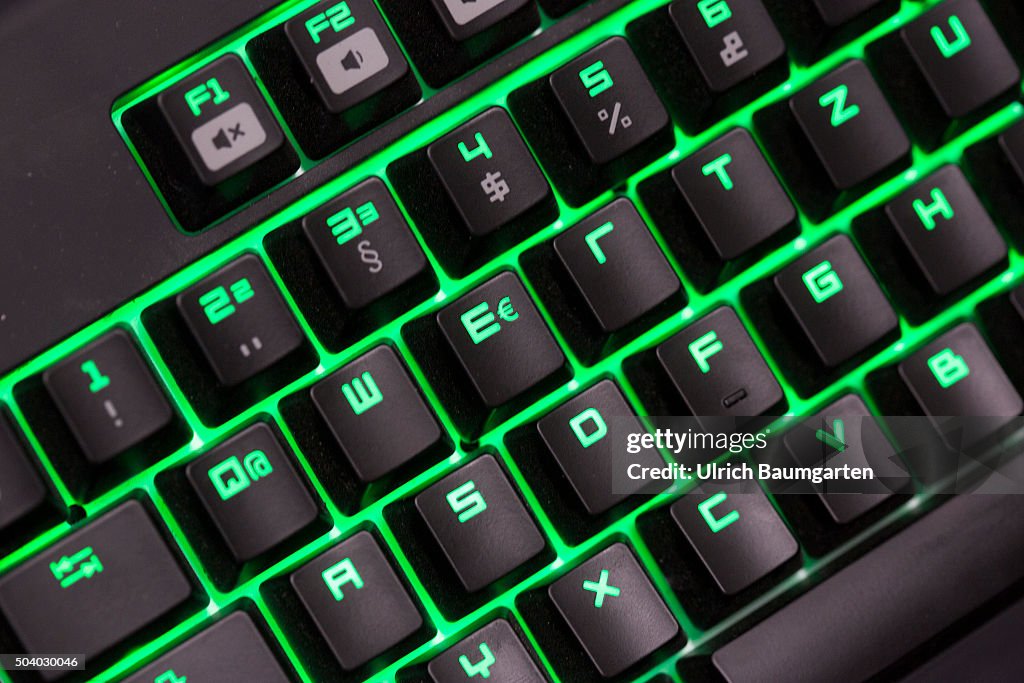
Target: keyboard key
811, 28
365, 244
95, 589
1012, 144
718, 371
108, 396
613, 610
733, 195
850, 627
736, 532
347, 50
941, 216
239, 320
488, 172
251, 491
845, 433
501, 349
729, 41
594, 122
577, 436
475, 191
850, 126
221, 120
960, 386
356, 601
447, 38
232, 650
22, 492
836, 301
961, 56
609, 101
480, 523
556, 8
493, 652
995, 167
377, 414
617, 266
464, 20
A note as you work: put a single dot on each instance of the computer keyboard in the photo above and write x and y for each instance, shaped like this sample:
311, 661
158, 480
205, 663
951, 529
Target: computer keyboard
366, 439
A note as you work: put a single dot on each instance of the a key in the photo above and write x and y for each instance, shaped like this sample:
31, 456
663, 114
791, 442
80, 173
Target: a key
480, 523
960, 386
494, 652
239, 320
355, 599
466, 19
851, 628
502, 347
447, 38
733, 195
845, 433
577, 435
231, 651
718, 371
108, 396
95, 589
251, 491
347, 50
365, 245
221, 120
851, 127
941, 216
22, 491
813, 27
836, 301
613, 610
608, 100
617, 266
735, 531
475, 190
377, 414
729, 41
961, 56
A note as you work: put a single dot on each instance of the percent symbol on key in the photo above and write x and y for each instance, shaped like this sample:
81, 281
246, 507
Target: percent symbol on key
616, 121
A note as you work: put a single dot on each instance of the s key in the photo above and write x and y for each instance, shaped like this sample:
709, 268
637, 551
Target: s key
108, 396
239, 320
96, 588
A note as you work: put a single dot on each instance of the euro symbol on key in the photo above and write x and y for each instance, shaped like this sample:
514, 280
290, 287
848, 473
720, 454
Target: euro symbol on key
506, 310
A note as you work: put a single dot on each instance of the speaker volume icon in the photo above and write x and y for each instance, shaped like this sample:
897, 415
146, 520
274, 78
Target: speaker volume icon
220, 140
352, 60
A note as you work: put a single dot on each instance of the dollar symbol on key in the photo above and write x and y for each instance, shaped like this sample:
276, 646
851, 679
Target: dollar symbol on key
370, 256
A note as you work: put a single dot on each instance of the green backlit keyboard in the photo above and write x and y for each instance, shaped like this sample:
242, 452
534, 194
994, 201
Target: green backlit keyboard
370, 438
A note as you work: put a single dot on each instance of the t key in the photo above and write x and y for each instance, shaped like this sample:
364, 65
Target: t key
221, 120
252, 492
480, 523
609, 101
613, 610
717, 369
500, 339
108, 396
941, 216
96, 588
376, 413
488, 172
356, 601
347, 50
494, 653
365, 244
960, 385
230, 651
730, 41
836, 301
851, 127
239, 320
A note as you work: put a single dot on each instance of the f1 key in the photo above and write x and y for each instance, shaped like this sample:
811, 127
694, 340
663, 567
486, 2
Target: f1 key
221, 120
